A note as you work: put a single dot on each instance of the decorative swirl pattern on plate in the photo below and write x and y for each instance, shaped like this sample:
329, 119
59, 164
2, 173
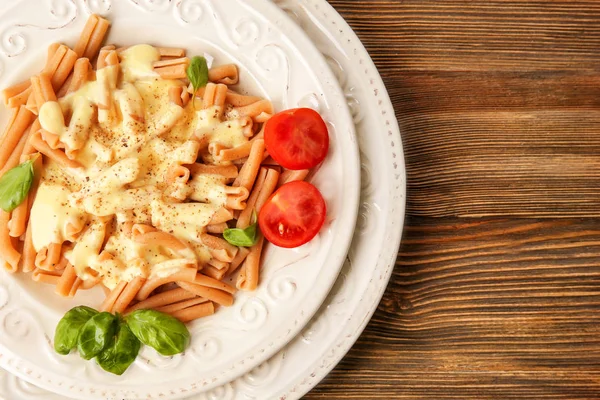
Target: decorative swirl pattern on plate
4, 296
225, 392
311, 100
62, 8
98, 6
252, 314
274, 62
152, 5
264, 374
282, 288
204, 348
189, 11
245, 32
149, 359
18, 323
12, 42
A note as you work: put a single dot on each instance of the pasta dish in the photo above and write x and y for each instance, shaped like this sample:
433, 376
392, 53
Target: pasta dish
140, 175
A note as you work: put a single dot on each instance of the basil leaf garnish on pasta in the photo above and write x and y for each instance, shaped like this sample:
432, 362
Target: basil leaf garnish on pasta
67, 330
197, 72
242, 237
121, 352
15, 185
96, 334
166, 334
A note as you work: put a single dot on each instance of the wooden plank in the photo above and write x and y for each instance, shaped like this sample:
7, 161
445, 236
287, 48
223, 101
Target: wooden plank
518, 163
477, 35
483, 309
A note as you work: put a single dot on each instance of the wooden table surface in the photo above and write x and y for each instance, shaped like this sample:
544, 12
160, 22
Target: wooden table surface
496, 292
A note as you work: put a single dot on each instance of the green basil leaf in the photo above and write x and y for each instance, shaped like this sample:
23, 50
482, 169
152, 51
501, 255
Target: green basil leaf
15, 185
121, 352
242, 237
164, 333
197, 72
95, 335
67, 330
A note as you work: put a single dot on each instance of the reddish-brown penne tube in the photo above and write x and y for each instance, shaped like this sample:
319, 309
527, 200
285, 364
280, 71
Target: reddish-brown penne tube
48, 257
56, 155
14, 133
50, 278
59, 77
56, 53
171, 51
195, 312
215, 273
228, 172
238, 260
64, 286
221, 215
160, 238
256, 110
172, 72
96, 38
213, 283
226, 74
86, 35
128, 294
171, 61
162, 299
248, 278
216, 228
218, 296
181, 305
42, 89
249, 170
29, 253
186, 274
81, 73
219, 248
243, 220
20, 99
15, 157
114, 294
267, 189
288, 176
7, 250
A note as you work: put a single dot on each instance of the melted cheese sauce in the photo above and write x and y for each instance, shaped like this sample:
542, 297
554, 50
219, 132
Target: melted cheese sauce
127, 135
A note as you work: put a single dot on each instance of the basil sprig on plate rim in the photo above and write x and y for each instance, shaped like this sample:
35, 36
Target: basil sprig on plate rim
115, 340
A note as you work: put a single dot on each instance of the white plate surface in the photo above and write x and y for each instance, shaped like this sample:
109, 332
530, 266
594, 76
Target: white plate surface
332, 331
285, 67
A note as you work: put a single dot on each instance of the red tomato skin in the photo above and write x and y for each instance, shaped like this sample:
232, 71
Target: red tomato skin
297, 138
300, 221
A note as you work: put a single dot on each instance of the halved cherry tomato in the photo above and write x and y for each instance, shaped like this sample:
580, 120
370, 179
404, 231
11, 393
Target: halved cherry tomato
297, 138
293, 215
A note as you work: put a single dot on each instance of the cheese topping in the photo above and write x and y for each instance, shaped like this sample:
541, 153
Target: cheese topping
129, 137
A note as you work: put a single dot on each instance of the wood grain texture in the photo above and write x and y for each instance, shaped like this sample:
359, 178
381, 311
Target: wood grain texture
498, 101
496, 293
483, 309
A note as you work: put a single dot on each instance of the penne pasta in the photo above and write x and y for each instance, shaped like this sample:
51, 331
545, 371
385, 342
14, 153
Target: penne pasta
135, 189
194, 312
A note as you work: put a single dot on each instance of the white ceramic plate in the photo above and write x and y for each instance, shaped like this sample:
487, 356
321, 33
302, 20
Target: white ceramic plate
310, 356
285, 67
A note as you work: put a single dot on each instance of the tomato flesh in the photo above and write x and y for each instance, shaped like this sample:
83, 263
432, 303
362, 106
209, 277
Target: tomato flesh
293, 215
297, 139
